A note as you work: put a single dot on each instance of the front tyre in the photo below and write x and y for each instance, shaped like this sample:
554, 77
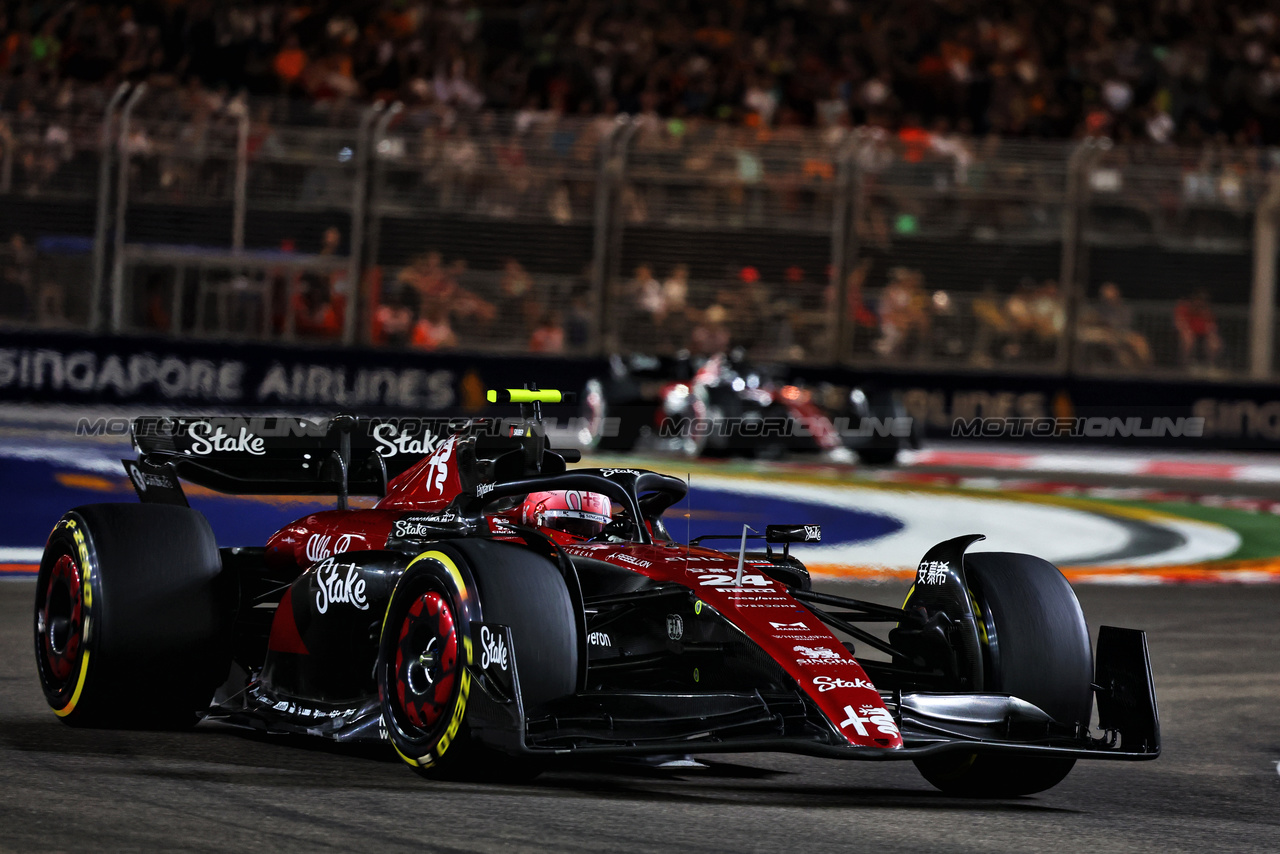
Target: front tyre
1036, 647
132, 616
423, 679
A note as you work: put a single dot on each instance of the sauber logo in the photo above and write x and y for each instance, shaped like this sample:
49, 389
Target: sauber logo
143, 479
337, 587
816, 652
318, 546
867, 714
205, 440
493, 649
830, 683
391, 441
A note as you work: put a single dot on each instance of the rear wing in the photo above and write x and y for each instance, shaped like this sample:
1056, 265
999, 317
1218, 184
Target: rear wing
341, 456
344, 455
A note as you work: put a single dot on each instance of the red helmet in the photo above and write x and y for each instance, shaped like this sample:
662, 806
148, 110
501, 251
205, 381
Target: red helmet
581, 514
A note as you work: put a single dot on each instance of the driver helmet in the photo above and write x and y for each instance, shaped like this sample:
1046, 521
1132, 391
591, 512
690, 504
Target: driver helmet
580, 514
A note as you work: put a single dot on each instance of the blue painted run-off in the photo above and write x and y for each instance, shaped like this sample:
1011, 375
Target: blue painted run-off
36, 499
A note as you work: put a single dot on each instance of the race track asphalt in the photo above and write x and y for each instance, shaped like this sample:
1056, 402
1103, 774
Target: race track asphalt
1216, 787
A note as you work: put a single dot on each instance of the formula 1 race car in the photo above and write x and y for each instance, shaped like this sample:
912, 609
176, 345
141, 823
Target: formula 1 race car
721, 406
496, 610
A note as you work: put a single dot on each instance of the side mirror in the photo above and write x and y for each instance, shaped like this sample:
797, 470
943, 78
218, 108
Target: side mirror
793, 533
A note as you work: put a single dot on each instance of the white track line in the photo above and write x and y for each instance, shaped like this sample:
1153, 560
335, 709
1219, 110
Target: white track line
1062, 535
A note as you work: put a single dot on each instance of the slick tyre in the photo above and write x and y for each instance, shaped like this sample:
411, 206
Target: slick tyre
423, 682
132, 616
1036, 648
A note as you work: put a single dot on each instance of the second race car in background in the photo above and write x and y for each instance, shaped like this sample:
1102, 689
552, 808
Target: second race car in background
721, 406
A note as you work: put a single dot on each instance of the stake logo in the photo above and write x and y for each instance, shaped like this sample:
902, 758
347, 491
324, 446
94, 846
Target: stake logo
335, 587
206, 440
493, 649
830, 683
391, 441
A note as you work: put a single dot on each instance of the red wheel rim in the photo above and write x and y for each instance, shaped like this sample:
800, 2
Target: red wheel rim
426, 655
60, 620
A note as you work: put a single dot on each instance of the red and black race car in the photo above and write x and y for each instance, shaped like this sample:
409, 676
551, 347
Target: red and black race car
721, 406
496, 610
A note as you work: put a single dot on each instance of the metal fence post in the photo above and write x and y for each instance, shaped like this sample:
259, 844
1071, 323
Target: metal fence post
601, 220
1263, 297
613, 172
105, 140
844, 250
1072, 269
241, 199
122, 201
6, 166
358, 206
373, 231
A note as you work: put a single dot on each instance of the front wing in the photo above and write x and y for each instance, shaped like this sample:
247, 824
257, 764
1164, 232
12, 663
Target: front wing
646, 722
609, 723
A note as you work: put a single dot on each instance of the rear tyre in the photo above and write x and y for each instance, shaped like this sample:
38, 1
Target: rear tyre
1036, 648
423, 681
132, 616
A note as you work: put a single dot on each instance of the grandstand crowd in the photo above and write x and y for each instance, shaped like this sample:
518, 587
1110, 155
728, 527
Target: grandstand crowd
1181, 71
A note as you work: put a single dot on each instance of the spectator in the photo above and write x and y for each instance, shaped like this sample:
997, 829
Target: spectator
317, 311
904, 315
1164, 72
427, 275
289, 63
1198, 340
580, 321
647, 292
1036, 320
330, 242
1048, 320
711, 335
548, 335
433, 331
396, 319
675, 290
15, 286
518, 306
994, 327
1107, 326
857, 313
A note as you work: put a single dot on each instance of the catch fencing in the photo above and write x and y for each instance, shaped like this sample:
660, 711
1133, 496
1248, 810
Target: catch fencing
395, 226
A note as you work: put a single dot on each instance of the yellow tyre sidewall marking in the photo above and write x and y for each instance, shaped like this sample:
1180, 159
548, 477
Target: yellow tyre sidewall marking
460, 705
86, 599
